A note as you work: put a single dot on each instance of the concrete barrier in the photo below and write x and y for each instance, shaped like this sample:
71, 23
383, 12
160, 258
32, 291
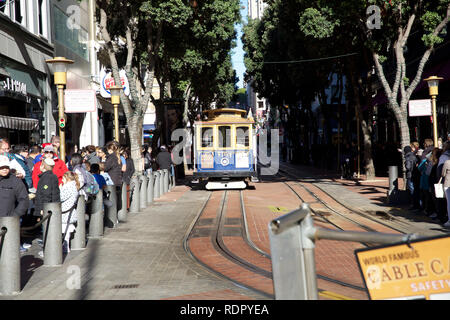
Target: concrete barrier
10, 256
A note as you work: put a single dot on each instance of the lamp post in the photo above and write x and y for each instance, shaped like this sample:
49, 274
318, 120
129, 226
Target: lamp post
60, 79
115, 100
433, 84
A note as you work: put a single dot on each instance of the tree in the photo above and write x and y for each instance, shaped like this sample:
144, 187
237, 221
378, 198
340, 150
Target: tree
155, 38
401, 17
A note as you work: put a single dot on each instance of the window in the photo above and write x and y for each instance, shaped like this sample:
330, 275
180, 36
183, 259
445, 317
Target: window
73, 38
17, 12
242, 137
4, 7
207, 137
40, 17
224, 137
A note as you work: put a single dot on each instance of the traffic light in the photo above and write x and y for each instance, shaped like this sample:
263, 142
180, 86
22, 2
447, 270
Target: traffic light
62, 122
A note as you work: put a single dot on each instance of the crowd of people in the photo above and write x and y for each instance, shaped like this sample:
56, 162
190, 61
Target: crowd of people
426, 167
31, 176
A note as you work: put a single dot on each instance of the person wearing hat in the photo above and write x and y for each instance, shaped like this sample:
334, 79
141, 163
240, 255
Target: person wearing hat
163, 159
59, 168
13, 193
48, 187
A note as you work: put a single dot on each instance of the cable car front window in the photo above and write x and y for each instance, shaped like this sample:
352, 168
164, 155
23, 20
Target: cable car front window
207, 137
224, 136
242, 137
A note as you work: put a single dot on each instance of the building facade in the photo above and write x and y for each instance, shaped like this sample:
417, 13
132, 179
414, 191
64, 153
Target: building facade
25, 79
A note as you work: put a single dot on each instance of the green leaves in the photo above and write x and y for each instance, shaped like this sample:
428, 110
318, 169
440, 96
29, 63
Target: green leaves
316, 23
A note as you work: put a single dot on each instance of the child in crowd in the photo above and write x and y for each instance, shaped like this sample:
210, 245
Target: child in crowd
95, 170
105, 175
69, 198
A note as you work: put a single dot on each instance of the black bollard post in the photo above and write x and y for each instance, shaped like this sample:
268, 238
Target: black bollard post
96, 221
123, 211
53, 234
79, 239
111, 211
135, 193
9, 256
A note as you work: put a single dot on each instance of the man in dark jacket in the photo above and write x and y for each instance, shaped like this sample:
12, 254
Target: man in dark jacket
13, 193
163, 159
47, 188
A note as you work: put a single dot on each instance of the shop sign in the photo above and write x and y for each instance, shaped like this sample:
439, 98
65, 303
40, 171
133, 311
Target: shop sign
107, 81
419, 108
79, 101
14, 85
419, 270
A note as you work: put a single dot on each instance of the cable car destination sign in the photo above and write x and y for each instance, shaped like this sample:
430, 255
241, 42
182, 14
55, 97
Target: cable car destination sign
419, 270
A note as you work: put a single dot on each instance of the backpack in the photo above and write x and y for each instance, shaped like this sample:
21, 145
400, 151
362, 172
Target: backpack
91, 186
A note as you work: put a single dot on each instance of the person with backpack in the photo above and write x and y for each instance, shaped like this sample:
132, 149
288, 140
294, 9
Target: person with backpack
88, 184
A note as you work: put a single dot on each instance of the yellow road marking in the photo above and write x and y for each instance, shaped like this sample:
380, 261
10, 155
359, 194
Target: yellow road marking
335, 296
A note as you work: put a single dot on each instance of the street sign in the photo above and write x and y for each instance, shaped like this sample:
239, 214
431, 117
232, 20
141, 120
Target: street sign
419, 108
79, 101
107, 81
418, 271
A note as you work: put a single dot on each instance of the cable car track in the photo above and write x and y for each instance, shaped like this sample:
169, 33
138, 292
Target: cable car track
216, 238
341, 215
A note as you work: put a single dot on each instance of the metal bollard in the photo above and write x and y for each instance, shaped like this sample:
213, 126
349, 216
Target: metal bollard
111, 212
135, 201
123, 211
161, 182
143, 192
53, 234
150, 187
10, 256
393, 178
96, 221
156, 193
166, 180
173, 180
79, 239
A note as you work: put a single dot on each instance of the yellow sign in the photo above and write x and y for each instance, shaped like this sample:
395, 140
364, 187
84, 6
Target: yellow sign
418, 271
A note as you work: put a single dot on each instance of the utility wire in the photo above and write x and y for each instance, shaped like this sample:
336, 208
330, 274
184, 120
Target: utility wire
310, 60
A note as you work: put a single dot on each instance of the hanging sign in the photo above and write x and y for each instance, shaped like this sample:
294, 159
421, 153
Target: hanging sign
79, 101
418, 271
107, 81
419, 108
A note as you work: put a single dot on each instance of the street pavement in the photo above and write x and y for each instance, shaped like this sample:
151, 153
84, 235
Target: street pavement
144, 258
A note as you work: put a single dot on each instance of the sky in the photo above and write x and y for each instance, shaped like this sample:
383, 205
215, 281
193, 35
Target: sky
238, 53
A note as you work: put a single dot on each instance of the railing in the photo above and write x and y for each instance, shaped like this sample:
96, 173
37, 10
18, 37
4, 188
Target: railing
292, 242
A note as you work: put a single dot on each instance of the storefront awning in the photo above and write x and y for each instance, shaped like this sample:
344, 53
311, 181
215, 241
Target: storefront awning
18, 123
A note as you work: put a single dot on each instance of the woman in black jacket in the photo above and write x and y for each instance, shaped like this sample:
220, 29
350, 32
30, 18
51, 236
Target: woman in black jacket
130, 166
113, 165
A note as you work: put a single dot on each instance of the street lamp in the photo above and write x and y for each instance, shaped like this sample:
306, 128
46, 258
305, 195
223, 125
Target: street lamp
433, 84
115, 100
60, 79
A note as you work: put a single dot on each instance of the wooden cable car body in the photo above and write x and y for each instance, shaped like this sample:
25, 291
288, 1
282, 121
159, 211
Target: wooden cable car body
225, 149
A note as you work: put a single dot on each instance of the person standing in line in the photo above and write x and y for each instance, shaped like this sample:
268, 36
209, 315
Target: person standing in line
410, 163
59, 167
13, 193
91, 155
69, 192
14, 165
164, 158
113, 164
432, 179
35, 151
446, 181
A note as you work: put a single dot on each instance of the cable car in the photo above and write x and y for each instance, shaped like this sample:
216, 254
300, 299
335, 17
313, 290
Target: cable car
225, 149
